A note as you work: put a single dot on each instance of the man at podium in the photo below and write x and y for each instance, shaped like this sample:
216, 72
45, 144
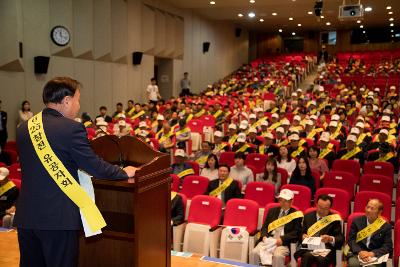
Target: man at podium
52, 147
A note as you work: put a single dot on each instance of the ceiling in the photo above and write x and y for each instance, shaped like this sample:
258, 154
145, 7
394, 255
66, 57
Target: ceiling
228, 10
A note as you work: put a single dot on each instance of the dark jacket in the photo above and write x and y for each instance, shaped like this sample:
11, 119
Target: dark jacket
307, 180
7, 200
41, 204
232, 191
177, 210
359, 156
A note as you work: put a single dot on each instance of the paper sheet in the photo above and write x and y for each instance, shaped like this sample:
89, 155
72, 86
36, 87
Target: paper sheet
374, 260
313, 243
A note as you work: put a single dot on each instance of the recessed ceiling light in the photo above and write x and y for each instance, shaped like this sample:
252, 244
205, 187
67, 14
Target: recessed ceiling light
251, 15
391, 30
212, 2
299, 24
290, 18
358, 21
391, 24
240, 15
280, 30
368, 9
390, 12
322, 17
391, 19
388, 7
274, 14
361, 26
392, 35
261, 20
293, 33
328, 23
363, 31
252, 1
309, 12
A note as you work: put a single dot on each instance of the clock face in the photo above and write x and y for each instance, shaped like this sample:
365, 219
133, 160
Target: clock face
60, 35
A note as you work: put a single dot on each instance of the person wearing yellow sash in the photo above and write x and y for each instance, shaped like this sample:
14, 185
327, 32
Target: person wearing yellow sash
385, 153
224, 188
201, 156
182, 134
8, 196
351, 151
241, 145
180, 167
177, 209
296, 147
158, 125
52, 147
119, 110
281, 227
165, 138
370, 235
218, 145
325, 224
280, 137
232, 134
130, 109
268, 147
335, 131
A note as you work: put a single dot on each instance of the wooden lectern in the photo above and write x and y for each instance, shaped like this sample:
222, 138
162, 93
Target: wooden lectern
138, 231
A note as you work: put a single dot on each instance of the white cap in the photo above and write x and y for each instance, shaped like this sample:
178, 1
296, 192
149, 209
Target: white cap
385, 118
294, 137
360, 125
142, 124
122, 123
321, 88
355, 130
370, 93
384, 131
232, 126
101, 123
351, 138
252, 130
312, 102
3, 173
314, 117
362, 89
260, 109
294, 94
269, 135
325, 136
285, 122
144, 133
218, 134
160, 117
121, 116
264, 123
377, 90
241, 137
392, 87
360, 118
335, 117
309, 122
286, 194
275, 115
252, 116
179, 153
387, 111
297, 118
243, 126
333, 123
280, 130
78, 119
98, 119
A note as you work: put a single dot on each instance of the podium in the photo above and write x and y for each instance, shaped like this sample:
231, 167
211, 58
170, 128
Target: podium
137, 213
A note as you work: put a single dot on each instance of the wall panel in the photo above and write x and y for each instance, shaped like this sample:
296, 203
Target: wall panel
102, 30
83, 28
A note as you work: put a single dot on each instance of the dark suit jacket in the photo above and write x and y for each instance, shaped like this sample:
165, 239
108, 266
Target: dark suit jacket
292, 230
41, 204
232, 191
177, 210
359, 156
7, 200
381, 241
3, 133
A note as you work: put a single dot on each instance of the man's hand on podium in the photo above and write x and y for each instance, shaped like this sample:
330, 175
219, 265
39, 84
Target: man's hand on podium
130, 170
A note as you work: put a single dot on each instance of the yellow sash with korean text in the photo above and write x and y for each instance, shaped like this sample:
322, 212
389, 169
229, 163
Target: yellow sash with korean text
322, 223
314, 132
274, 126
284, 220
284, 142
370, 229
61, 176
297, 152
221, 188
185, 172
243, 148
173, 195
351, 153
361, 138
337, 132
189, 118
5, 187
202, 160
386, 157
134, 117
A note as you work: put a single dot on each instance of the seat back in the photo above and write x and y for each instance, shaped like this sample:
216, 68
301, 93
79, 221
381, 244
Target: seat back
341, 180
195, 167
257, 160
350, 221
361, 199
347, 165
381, 168
284, 175
208, 120
196, 125
184, 200
227, 158
397, 210
13, 155
15, 171
11, 145
174, 182
376, 182
302, 195
194, 185
241, 212
17, 183
396, 250
261, 193
317, 178
205, 210
341, 199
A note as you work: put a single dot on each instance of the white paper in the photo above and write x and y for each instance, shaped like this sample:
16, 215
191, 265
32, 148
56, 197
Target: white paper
85, 181
313, 243
267, 248
374, 260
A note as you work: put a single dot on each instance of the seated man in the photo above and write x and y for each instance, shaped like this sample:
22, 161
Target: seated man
282, 226
240, 172
8, 196
351, 151
322, 223
180, 167
201, 156
224, 188
177, 209
370, 235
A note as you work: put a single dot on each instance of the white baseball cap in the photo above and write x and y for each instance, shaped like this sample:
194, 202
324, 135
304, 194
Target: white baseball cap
121, 116
294, 137
286, 194
333, 123
101, 123
264, 123
280, 130
78, 119
269, 135
4, 172
232, 126
384, 131
314, 117
351, 138
297, 118
275, 115
122, 123
218, 134
360, 125
179, 153
385, 118
160, 117
252, 116
325, 137
241, 137
252, 130
309, 122
285, 122
99, 119
335, 117
143, 133
294, 94
355, 130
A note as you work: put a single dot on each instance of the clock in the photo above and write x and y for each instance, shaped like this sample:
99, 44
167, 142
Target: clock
60, 35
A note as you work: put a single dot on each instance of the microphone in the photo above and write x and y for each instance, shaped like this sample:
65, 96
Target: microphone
121, 160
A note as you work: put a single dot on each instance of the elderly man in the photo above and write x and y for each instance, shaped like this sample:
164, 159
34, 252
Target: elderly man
180, 167
282, 226
8, 196
326, 225
370, 235
352, 151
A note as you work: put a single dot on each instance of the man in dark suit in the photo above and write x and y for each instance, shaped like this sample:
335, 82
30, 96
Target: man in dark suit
3, 128
284, 235
48, 220
8, 196
376, 244
331, 234
177, 209
232, 191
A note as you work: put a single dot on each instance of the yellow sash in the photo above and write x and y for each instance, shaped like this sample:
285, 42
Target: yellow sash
131, 111
351, 111
274, 126
313, 112
314, 132
258, 123
261, 149
189, 118
183, 131
361, 138
173, 195
5, 187
202, 160
134, 117
154, 124
386, 157
322, 223
185, 172
370, 229
337, 132
283, 108
284, 220
165, 136
61, 176
87, 123
243, 148
297, 152
284, 142
274, 110
217, 114
351, 153
200, 113
232, 140
221, 188
324, 153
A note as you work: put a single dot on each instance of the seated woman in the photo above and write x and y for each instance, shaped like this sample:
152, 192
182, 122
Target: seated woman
315, 162
285, 161
270, 174
302, 175
210, 169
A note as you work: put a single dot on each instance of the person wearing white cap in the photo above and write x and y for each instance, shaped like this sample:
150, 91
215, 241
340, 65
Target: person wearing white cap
8, 196
327, 150
296, 150
336, 131
264, 126
285, 123
252, 138
201, 155
243, 126
280, 137
232, 134
278, 233
180, 167
268, 148
182, 134
382, 137
165, 138
122, 129
352, 151
241, 145
158, 124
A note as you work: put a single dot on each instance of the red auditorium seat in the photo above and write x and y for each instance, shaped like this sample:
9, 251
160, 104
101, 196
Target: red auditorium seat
257, 160
377, 183
242, 212
17, 183
284, 175
261, 193
341, 200
302, 195
349, 222
15, 171
195, 167
174, 182
341, 180
317, 179
397, 209
381, 168
11, 145
3, 165
13, 155
205, 210
155, 143
227, 158
396, 249
351, 166
361, 199
194, 185
253, 170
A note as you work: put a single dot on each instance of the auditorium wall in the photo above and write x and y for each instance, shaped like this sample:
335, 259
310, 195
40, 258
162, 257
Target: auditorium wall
104, 34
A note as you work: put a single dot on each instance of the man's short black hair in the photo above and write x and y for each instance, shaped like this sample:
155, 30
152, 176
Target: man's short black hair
325, 197
58, 88
186, 72
119, 104
153, 79
103, 108
130, 101
225, 166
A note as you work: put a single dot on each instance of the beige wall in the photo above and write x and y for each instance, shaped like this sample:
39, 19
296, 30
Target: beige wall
104, 33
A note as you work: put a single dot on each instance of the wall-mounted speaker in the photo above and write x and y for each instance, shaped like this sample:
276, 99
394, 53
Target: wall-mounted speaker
137, 58
41, 64
206, 47
238, 32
